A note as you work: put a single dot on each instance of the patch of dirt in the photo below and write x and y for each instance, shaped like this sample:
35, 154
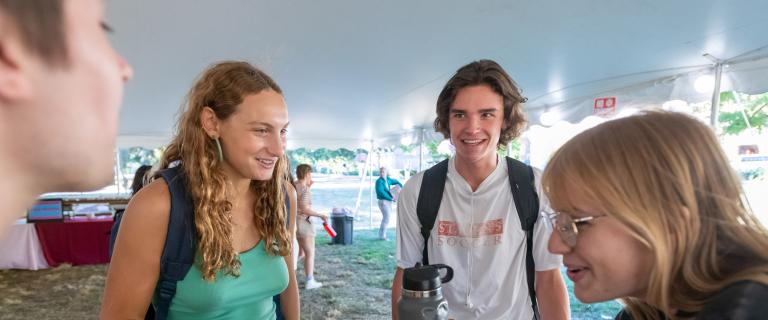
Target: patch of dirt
64, 292
356, 285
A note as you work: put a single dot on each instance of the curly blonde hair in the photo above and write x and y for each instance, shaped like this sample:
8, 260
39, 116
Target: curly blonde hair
665, 177
222, 87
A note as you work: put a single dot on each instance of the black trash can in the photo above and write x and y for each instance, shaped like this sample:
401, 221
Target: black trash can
343, 227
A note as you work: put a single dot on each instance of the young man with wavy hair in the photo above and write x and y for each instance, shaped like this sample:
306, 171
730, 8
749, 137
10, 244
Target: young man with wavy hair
477, 230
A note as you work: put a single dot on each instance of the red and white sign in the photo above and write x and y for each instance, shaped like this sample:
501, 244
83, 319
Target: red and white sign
604, 106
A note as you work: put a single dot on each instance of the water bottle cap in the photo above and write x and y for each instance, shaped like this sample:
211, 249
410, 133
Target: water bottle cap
425, 278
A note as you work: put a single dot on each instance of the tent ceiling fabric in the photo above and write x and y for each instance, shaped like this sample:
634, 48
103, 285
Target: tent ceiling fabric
354, 70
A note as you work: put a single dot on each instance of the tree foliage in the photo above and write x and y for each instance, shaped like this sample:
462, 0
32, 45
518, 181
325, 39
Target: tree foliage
132, 158
323, 160
745, 111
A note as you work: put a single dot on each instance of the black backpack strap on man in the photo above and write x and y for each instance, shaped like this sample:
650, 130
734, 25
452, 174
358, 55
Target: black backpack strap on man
428, 203
522, 184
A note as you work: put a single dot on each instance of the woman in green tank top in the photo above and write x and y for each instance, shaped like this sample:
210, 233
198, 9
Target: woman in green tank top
229, 148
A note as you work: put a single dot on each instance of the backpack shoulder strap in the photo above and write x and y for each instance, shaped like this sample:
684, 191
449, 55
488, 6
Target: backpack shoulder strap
522, 182
116, 220
180, 243
428, 203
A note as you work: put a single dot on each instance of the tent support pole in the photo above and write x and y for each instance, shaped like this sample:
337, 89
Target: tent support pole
421, 149
370, 189
714, 115
119, 173
362, 179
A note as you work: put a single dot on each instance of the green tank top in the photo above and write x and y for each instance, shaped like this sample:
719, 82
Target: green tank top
248, 296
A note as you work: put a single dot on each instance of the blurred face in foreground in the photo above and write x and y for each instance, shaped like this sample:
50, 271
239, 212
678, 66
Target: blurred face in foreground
65, 117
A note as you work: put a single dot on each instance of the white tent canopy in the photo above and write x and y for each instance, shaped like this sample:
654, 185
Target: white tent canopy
360, 70
686, 85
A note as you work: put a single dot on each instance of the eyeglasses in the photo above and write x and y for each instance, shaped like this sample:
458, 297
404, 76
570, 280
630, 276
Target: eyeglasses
567, 227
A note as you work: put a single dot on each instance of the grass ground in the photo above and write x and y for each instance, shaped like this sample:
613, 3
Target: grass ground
357, 281
357, 278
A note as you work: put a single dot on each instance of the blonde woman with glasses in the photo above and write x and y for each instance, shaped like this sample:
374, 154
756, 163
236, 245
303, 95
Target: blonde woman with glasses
648, 210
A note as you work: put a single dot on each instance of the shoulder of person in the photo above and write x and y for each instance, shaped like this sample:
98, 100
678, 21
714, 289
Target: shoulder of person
739, 301
135, 263
152, 204
153, 194
536, 172
290, 189
413, 184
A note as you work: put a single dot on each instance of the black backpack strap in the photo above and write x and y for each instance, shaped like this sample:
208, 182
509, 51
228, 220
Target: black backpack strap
116, 220
522, 182
428, 203
180, 243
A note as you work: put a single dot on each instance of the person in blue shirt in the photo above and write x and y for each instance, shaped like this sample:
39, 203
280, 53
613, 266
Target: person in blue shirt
384, 195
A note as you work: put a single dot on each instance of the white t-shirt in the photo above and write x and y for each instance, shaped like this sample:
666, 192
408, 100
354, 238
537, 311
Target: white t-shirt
479, 235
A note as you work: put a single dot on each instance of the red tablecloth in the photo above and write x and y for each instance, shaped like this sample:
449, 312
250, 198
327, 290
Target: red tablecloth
76, 241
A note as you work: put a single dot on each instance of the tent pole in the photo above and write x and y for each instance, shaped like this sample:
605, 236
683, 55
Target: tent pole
421, 149
370, 189
362, 180
714, 115
743, 113
119, 172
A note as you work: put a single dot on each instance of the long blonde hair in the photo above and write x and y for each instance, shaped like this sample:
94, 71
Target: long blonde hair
665, 176
222, 87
